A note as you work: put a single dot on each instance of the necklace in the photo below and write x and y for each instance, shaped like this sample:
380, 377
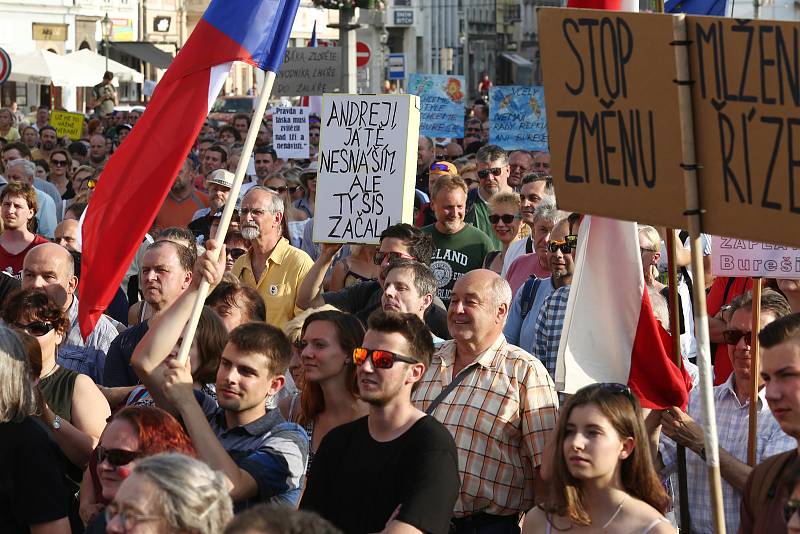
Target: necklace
50, 372
614, 516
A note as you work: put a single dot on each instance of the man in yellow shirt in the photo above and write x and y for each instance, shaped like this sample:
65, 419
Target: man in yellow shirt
272, 266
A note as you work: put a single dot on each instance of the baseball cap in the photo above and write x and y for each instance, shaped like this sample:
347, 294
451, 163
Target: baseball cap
221, 177
443, 168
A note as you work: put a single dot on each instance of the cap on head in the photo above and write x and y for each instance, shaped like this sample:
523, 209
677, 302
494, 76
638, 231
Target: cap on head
221, 177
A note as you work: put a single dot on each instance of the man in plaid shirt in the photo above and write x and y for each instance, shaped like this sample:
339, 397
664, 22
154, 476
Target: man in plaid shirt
499, 411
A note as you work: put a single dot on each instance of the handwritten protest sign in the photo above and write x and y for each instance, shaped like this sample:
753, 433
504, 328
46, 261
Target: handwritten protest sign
745, 97
517, 118
309, 71
367, 166
442, 103
612, 113
67, 124
739, 257
290, 132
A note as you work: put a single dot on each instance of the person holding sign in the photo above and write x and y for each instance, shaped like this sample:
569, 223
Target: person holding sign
493, 172
732, 401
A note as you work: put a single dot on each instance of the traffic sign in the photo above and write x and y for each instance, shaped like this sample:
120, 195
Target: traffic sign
397, 66
5, 65
363, 53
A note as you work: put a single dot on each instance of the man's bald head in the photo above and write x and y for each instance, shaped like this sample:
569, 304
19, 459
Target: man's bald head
67, 233
50, 267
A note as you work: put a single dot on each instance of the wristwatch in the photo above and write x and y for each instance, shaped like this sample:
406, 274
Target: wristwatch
56, 422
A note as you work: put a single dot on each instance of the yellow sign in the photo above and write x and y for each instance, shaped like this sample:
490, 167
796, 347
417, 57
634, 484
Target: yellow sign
49, 32
67, 124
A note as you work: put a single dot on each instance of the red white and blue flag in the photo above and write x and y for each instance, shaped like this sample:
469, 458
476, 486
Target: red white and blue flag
138, 176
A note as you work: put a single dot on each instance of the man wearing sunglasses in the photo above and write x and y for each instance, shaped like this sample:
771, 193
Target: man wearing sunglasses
493, 172
510, 400
395, 470
732, 402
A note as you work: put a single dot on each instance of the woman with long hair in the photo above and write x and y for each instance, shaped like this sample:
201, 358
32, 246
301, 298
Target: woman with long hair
60, 171
329, 397
603, 476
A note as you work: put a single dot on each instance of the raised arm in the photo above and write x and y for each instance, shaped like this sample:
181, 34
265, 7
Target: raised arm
309, 294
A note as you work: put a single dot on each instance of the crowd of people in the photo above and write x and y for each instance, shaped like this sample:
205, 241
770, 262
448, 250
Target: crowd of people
418, 372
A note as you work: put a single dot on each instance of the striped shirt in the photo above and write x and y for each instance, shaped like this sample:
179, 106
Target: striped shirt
499, 416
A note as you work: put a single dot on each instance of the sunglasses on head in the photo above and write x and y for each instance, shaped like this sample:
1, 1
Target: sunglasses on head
564, 246
614, 387
36, 328
733, 335
496, 171
507, 218
116, 457
380, 257
381, 359
440, 167
790, 508
236, 253
58, 162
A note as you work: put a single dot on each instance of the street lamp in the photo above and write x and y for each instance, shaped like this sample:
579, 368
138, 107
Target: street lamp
106, 26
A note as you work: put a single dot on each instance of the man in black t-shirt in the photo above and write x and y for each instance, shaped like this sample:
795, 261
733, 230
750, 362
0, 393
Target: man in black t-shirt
396, 468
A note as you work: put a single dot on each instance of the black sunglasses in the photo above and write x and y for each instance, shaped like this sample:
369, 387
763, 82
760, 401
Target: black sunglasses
565, 247
381, 359
733, 335
380, 257
58, 162
507, 218
496, 171
790, 508
615, 387
116, 457
236, 253
36, 328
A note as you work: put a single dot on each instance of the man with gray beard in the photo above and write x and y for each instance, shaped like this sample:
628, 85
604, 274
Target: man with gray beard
272, 266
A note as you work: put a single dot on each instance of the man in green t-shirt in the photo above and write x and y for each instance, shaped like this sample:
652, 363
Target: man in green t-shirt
104, 96
493, 171
457, 247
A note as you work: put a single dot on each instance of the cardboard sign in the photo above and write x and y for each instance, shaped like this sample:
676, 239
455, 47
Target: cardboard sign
739, 257
747, 129
309, 71
290, 132
442, 100
517, 118
67, 124
612, 112
367, 166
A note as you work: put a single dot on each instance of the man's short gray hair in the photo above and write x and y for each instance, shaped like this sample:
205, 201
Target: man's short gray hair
492, 153
275, 204
192, 496
28, 167
500, 292
549, 212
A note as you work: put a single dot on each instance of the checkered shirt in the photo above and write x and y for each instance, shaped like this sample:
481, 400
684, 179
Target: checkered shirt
548, 328
732, 427
499, 416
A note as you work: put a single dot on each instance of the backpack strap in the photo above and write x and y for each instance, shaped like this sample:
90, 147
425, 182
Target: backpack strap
766, 478
528, 294
450, 387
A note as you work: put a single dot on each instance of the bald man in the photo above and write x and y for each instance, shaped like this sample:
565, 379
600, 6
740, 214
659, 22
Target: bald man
67, 235
98, 152
51, 267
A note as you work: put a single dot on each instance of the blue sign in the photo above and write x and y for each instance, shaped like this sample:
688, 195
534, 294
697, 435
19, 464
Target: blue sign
517, 119
397, 66
442, 103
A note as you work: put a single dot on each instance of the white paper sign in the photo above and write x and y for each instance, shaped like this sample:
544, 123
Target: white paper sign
290, 132
739, 257
367, 166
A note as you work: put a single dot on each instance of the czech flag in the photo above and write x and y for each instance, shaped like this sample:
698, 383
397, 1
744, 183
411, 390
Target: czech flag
611, 5
610, 333
138, 176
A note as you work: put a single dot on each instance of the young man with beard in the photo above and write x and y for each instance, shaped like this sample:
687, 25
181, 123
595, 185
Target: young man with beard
395, 470
49, 142
182, 201
219, 183
262, 456
458, 247
272, 266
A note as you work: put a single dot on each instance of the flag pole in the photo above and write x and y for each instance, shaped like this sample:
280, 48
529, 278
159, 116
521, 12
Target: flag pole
675, 323
230, 205
689, 167
755, 366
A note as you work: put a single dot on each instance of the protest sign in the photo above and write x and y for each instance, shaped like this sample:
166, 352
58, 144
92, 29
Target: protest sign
367, 166
309, 71
739, 257
612, 115
745, 99
67, 124
442, 103
517, 118
290, 132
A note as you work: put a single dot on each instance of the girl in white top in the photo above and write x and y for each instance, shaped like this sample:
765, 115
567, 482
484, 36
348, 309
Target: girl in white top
603, 477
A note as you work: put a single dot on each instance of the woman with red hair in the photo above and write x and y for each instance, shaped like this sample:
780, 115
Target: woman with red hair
134, 432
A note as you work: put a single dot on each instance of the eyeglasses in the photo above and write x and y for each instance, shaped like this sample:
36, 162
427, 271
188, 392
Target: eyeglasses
380, 257
236, 253
381, 359
732, 337
128, 519
58, 162
790, 508
483, 173
615, 387
255, 212
563, 246
440, 167
36, 328
116, 457
643, 250
507, 218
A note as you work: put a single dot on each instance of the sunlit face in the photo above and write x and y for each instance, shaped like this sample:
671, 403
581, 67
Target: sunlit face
217, 195
136, 500
449, 206
506, 232
243, 380
425, 154
531, 196
519, 164
48, 138
47, 268
119, 434
472, 315
400, 294
380, 386
741, 359
780, 370
263, 164
592, 447
561, 265
16, 212
491, 184
322, 356
162, 277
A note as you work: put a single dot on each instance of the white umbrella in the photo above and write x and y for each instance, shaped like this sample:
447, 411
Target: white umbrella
97, 62
45, 67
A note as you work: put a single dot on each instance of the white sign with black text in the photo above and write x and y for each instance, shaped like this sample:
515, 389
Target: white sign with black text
290, 132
